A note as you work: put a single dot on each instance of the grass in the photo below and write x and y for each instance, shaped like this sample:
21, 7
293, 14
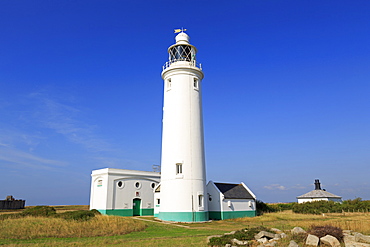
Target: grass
59, 209
41, 227
159, 234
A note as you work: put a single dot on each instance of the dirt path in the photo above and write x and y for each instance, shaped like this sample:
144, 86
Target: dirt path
162, 222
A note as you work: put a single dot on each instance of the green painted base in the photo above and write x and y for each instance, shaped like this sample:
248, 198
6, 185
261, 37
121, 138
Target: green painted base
146, 211
218, 215
126, 212
116, 212
184, 216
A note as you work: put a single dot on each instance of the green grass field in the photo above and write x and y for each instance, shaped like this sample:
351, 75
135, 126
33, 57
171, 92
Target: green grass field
110, 230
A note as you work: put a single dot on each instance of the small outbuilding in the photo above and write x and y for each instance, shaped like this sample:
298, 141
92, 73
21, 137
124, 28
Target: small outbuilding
123, 192
227, 201
318, 194
11, 203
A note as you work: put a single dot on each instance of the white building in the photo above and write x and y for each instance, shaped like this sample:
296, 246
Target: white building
123, 192
183, 175
227, 201
318, 195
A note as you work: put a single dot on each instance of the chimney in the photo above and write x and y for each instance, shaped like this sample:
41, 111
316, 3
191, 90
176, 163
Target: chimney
317, 185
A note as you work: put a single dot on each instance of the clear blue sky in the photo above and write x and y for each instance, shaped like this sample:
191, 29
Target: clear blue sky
286, 93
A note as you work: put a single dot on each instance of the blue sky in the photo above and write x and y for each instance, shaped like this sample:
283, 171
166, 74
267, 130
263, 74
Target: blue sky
285, 94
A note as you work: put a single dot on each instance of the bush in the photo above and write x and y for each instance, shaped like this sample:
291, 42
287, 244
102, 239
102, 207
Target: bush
284, 206
80, 215
220, 241
96, 212
43, 211
263, 208
319, 207
242, 235
249, 233
322, 231
46, 211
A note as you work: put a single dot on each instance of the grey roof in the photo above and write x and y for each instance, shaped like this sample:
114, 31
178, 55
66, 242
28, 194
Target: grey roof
319, 194
234, 191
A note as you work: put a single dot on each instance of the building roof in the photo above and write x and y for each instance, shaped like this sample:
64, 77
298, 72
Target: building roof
233, 191
318, 194
125, 172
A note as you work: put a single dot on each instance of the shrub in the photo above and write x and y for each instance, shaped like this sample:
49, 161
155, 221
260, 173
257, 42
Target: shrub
322, 231
263, 208
80, 215
244, 234
319, 207
284, 206
96, 212
43, 211
220, 241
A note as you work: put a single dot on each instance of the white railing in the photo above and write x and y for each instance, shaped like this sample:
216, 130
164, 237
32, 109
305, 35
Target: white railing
191, 63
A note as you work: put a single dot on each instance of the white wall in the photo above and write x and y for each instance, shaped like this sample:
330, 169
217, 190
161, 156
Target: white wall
302, 200
112, 196
215, 195
98, 193
230, 205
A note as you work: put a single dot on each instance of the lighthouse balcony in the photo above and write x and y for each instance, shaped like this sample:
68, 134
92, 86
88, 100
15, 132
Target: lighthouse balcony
182, 62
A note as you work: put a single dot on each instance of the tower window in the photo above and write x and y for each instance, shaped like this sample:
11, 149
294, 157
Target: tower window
169, 84
196, 83
178, 168
200, 201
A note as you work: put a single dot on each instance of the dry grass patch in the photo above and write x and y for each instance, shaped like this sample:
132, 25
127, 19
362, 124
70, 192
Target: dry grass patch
286, 220
40, 227
64, 208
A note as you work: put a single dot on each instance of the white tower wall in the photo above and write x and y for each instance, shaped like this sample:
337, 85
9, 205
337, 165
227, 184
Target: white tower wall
183, 177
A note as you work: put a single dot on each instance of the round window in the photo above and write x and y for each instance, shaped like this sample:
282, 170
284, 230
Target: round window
120, 184
137, 185
153, 185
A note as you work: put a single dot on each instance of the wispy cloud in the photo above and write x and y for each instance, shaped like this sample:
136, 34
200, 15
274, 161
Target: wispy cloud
275, 187
12, 137
282, 187
65, 119
16, 159
34, 122
299, 186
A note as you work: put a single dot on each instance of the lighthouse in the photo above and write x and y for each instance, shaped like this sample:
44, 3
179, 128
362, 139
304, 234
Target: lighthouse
183, 195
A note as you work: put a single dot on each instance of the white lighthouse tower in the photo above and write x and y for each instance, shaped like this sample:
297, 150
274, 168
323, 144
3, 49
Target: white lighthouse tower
183, 177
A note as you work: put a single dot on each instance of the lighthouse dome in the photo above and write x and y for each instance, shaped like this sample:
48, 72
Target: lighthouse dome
182, 38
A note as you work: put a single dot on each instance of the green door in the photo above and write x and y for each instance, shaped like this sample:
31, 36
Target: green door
136, 207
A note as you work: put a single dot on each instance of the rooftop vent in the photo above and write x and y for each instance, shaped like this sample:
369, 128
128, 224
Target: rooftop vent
317, 184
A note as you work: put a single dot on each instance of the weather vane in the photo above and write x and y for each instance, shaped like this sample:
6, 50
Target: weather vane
180, 30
